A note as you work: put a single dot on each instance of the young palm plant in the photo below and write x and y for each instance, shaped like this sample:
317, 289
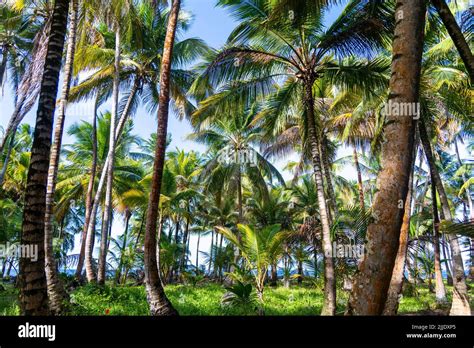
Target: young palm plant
259, 247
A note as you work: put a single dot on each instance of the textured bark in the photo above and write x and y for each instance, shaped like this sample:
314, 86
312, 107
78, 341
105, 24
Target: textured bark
439, 285
56, 293
396, 283
455, 32
159, 303
327, 174
460, 304
33, 288
372, 281
89, 196
329, 304
106, 223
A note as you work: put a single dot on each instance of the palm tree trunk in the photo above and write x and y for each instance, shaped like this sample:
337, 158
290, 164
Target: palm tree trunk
197, 252
455, 32
240, 219
33, 289
439, 285
118, 274
210, 252
56, 292
159, 303
360, 184
396, 283
176, 232
327, 174
110, 166
372, 281
447, 257
329, 304
89, 195
460, 304
90, 273
185, 243
4, 264
3, 63
300, 272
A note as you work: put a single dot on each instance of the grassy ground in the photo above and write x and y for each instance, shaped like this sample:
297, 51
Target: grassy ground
205, 300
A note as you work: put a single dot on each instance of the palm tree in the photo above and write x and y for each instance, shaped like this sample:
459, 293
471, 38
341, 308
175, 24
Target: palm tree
373, 279
260, 249
33, 298
456, 34
56, 292
460, 304
159, 303
140, 64
233, 144
396, 282
89, 194
264, 49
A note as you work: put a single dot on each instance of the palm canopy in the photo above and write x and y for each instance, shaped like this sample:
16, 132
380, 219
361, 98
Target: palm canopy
263, 53
74, 174
232, 144
140, 61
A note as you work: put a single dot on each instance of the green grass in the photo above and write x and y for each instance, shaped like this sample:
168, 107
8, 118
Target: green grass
205, 300
8, 300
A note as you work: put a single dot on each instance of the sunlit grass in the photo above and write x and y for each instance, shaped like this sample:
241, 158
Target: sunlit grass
205, 299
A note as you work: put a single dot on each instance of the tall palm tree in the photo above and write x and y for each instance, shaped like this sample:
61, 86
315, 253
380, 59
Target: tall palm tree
159, 303
265, 49
33, 296
56, 293
460, 304
119, 8
373, 279
140, 64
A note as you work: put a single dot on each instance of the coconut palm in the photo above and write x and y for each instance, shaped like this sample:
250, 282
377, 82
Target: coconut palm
232, 141
260, 248
56, 292
263, 50
159, 303
32, 274
369, 297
